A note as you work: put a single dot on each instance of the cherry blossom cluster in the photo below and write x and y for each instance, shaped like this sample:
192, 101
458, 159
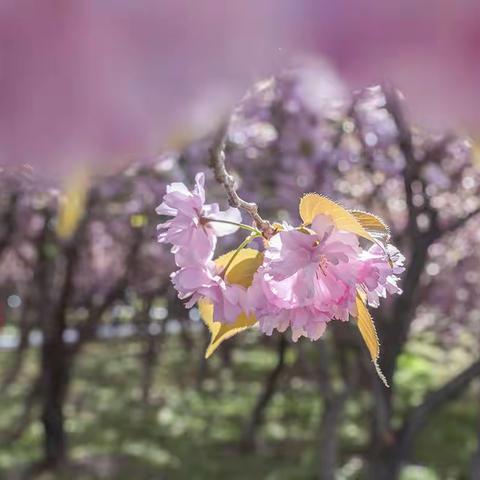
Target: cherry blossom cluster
305, 277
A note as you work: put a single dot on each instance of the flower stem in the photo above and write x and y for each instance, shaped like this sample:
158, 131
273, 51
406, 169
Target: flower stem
240, 225
239, 248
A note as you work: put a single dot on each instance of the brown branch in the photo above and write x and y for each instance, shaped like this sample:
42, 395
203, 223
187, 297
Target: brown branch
8, 221
434, 400
383, 409
88, 330
25, 418
334, 401
475, 461
454, 226
18, 356
438, 149
394, 107
394, 332
257, 416
217, 163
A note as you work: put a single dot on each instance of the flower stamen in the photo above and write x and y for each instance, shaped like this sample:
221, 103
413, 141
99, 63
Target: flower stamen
323, 263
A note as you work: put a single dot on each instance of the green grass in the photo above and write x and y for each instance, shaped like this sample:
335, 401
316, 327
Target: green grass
189, 434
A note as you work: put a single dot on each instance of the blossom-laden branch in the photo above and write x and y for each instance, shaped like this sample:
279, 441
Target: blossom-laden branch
217, 162
306, 276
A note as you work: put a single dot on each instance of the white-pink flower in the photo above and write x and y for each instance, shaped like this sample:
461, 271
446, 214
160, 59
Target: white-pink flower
311, 276
205, 282
381, 267
192, 235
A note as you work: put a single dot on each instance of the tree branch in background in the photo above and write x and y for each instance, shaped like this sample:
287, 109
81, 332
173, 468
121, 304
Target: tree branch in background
15, 367
454, 226
334, 396
87, 331
394, 107
8, 222
152, 343
257, 416
24, 420
434, 400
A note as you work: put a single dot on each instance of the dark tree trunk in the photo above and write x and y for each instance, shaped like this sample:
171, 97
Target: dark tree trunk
202, 365
386, 463
55, 360
149, 360
257, 417
150, 357
55, 379
334, 399
329, 427
393, 448
475, 463
18, 357
226, 353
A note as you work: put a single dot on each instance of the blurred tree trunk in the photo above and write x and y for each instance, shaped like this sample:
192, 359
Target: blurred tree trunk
152, 344
393, 450
33, 299
18, 356
150, 359
49, 307
226, 353
202, 369
257, 417
383, 459
334, 400
56, 356
391, 447
329, 427
385, 464
55, 366
55, 362
475, 463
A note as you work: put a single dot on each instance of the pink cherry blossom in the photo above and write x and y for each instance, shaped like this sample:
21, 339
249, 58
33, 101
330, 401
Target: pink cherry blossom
205, 282
311, 276
380, 272
308, 278
192, 236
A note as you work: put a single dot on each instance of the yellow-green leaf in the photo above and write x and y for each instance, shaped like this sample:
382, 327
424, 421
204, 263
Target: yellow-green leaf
72, 204
244, 265
367, 329
313, 204
369, 334
222, 331
372, 224
240, 271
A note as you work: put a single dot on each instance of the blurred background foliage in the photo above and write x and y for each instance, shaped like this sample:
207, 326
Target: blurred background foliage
102, 370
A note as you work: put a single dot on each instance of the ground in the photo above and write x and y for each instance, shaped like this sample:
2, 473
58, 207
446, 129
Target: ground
190, 433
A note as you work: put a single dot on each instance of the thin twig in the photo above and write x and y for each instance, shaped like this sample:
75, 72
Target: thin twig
217, 163
457, 224
394, 107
